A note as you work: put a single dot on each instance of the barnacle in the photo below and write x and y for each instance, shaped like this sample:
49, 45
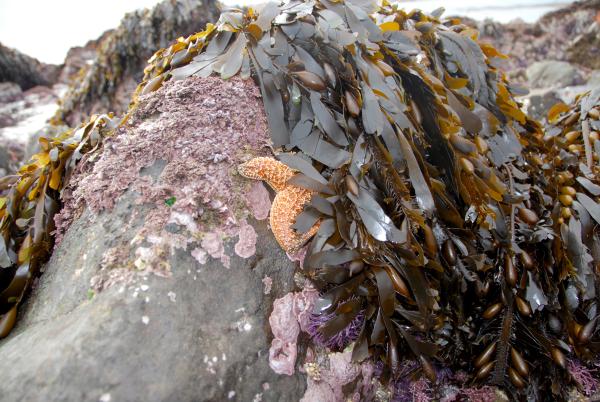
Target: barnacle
444, 225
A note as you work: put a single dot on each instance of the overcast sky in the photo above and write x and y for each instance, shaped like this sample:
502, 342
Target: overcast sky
46, 29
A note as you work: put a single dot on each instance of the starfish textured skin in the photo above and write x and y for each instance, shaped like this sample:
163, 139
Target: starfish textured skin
288, 203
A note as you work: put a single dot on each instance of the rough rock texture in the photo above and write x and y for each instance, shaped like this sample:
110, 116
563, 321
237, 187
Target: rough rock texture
552, 73
23, 70
585, 48
80, 58
146, 297
109, 81
539, 101
9, 92
560, 35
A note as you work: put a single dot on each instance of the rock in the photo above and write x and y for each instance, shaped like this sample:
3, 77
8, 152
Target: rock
539, 101
121, 55
144, 300
585, 48
23, 70
79, 58
568, 34
594, 80
9, 92
11, 154
553, 74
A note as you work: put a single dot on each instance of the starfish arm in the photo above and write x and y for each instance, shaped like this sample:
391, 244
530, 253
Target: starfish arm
275, 173
287, 205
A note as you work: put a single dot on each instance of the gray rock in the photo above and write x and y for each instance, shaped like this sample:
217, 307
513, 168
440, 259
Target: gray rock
121, 316
594, 80
539, 101
205, 341
9, 92
24, 70
553, 74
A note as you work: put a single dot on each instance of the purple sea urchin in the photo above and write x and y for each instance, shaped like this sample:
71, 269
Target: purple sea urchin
340, 340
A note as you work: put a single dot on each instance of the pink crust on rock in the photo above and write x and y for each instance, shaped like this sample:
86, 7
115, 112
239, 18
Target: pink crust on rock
285, 328
246, 245
282, 356
341, 368
200, 255
318, 391
258, 201
213, 244
181, 143
290, 314
304, 303
282, 320
485, 393
340, 372
299, 256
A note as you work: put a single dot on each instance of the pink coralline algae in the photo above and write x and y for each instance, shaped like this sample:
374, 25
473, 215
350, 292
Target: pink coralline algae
587, 380
304, 303
213, 244
182, 143
284, 324
285, 328
334, 374
200, 255
341, 368
258, 201
289, 315
246, 245
480, 394
298, 256
282, 356
412, 391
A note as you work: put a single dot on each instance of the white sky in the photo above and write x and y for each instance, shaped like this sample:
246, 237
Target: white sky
46, 29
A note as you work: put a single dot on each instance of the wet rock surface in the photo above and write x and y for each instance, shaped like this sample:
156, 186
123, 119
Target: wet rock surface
142, 300
24, 114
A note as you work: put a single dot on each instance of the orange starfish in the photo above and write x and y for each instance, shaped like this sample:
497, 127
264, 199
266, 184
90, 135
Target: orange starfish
288, 203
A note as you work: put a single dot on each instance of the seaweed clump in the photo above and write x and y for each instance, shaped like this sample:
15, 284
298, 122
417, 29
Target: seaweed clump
28, 203
453, 230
